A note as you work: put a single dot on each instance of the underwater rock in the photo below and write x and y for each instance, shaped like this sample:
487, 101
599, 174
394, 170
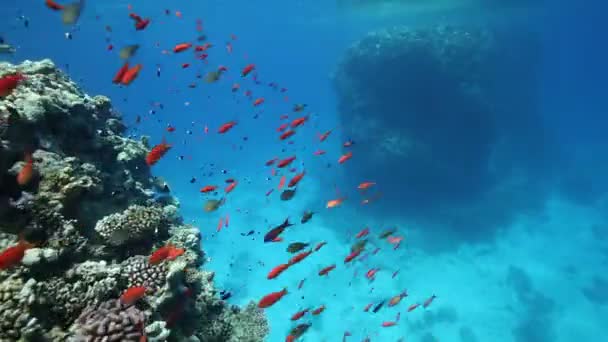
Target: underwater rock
92, 218
439, 116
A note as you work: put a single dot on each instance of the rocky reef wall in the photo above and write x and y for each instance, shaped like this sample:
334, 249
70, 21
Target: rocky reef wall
91, 215
446, 117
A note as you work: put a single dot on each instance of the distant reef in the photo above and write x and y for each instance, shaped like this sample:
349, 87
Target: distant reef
92, 215
447, 118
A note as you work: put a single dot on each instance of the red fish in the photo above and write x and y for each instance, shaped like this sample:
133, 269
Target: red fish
157, 152
388, 324
371, 274
413, 307
299, 121
319, 245
226, 127
258, 102
296, 179
53, 5
287, 134
362, 233
275, 272
345, 157
181, 47
168, 252
326, 270
185, 65
130, 74
140, 23
170, 129
319, 152
281, 183
132, 295
318, 310
366, 185
351, 256
324, 136
12, 256
208, 188
247, 69
299, 257
282, 127
220, 224
8, 83
230, 187
299, 314
27, 171
366, 308
121, 72
271, 299
286, 162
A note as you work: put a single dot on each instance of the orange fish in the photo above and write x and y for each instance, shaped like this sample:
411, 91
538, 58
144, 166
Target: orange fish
12, 256
220, 224
230, 187
275, 272
345, 157
208, 188
226, 127
168, 252
182, 47
334, 203
324, 136
299, 121
326, 270
258, 102
371, 274
157, 152
388, 324
132, 295
282, 182
282, 127
247, 69
271, 299
318, 310
287, 134
396, 299
299, 257
299, 314
285, 162
366, 185
296, 179
130, 74
27, 171
53, 5
394, 239
366, 308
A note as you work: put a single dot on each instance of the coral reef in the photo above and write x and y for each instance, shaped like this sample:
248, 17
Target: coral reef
87, 221
442, 114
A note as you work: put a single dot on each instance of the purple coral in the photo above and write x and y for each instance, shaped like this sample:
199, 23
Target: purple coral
110, 321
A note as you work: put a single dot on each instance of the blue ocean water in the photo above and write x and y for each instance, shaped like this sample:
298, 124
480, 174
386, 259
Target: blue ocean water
526, 263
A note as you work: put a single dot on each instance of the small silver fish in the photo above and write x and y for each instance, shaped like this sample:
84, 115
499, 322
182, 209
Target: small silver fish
6, 48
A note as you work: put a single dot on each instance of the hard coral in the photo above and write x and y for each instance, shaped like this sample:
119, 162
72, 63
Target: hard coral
110, 321
135, 223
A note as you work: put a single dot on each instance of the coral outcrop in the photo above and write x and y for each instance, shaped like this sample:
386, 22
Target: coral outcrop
87, 221
441, 115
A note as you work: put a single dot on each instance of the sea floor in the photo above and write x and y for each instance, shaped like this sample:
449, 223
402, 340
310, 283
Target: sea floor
541, 279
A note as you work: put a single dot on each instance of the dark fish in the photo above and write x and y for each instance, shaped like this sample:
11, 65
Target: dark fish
299, 330
296, 247
358, 246
160, 185
224, 295
306, 216
377, 307
288, 194
128, 51
299, 107
213, 205
275, 232
212, 76
249, 233
71, 12
386, 233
